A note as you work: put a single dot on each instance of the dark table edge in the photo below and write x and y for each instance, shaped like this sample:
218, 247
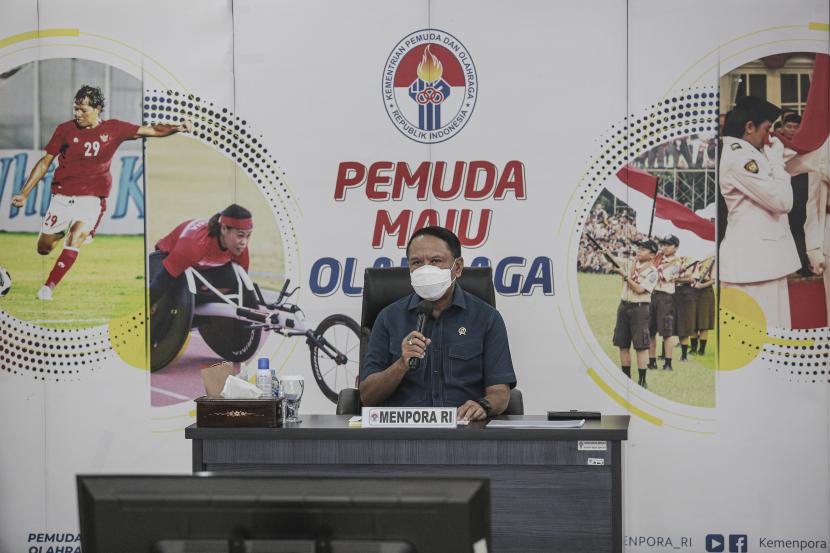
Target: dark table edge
591, 431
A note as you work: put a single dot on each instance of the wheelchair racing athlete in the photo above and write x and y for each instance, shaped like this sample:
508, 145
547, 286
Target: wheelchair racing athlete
203, 244
208, 246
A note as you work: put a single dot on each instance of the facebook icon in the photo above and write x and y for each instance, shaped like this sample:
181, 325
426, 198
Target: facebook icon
738, 543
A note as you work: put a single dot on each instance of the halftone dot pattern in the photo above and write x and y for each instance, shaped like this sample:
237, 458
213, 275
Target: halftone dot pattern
794, 355
57, 355
129, 340
694, 112
742, 329
232, 135
803, 359
801, 356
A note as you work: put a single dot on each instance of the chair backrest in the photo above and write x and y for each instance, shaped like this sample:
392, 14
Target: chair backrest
348, 402
383, 286
516, 404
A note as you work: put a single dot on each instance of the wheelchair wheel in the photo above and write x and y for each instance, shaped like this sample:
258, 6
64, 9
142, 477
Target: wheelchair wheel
171, 318
231, 339
343, 333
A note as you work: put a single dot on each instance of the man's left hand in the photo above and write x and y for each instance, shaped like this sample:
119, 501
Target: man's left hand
471, 411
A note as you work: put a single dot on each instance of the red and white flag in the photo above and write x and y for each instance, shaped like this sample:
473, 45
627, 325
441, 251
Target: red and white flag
810, 144
637, 189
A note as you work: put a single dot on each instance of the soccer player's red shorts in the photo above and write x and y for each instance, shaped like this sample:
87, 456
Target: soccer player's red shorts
64, 211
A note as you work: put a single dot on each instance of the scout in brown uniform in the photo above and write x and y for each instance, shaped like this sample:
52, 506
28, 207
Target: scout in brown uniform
661, 313
639, 279
705, 304
685, 304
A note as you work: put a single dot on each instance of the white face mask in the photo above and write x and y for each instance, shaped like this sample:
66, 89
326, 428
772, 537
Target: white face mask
430, 282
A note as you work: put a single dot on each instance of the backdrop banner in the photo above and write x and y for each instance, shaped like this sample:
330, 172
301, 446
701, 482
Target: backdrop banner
549, 136
125, 209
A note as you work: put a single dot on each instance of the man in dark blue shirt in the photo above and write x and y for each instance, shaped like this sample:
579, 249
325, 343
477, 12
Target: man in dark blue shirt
463, 355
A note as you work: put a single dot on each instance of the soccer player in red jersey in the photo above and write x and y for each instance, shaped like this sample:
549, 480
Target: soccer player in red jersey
82, 182
203, 244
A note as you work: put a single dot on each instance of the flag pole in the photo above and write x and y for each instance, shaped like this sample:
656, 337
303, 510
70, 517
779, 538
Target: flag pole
653, 206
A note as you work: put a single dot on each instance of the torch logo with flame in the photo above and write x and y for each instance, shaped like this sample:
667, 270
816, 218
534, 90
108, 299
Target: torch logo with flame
429, 86
429, 90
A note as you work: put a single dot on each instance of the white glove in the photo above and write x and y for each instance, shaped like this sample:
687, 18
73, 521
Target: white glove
817, 261
775, 151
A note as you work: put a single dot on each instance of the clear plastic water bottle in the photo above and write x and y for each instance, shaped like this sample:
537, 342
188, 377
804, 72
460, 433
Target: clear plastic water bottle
263, 378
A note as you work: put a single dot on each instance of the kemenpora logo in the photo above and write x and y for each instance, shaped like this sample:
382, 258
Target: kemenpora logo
429, 86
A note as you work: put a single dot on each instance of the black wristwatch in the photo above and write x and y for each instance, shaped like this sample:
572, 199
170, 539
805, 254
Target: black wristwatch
488, 409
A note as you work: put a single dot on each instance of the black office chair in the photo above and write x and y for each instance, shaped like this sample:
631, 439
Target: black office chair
384, 286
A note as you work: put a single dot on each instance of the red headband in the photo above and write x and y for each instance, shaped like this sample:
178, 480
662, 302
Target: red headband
241, 224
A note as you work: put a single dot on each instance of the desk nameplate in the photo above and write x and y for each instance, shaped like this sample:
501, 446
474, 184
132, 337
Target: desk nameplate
408, 417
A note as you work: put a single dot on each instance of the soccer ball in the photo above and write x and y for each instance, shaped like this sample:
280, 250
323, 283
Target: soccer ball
5, 282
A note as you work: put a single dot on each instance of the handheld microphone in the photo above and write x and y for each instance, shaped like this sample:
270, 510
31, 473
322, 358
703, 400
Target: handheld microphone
424, 311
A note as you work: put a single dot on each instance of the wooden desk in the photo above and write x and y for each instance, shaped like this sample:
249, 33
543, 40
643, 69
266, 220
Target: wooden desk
548, 492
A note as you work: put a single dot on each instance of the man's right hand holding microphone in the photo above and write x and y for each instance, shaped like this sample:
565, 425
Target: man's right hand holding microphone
414, 346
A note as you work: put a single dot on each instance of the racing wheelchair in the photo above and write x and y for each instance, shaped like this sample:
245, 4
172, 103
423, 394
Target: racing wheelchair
230, 313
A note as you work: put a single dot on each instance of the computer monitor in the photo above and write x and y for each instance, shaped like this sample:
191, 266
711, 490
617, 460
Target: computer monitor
250, 513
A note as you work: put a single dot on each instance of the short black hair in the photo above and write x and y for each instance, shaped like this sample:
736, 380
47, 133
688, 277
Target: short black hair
792, 118
234, 210
453, 243
93, 93
748, 109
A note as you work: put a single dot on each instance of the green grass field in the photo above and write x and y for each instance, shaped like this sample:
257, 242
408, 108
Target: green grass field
691, 382
106, 282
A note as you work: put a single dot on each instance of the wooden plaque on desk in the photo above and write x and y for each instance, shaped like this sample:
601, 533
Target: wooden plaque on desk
222, 413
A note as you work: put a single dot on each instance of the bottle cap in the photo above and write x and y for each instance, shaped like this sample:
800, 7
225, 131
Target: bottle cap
263, 363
